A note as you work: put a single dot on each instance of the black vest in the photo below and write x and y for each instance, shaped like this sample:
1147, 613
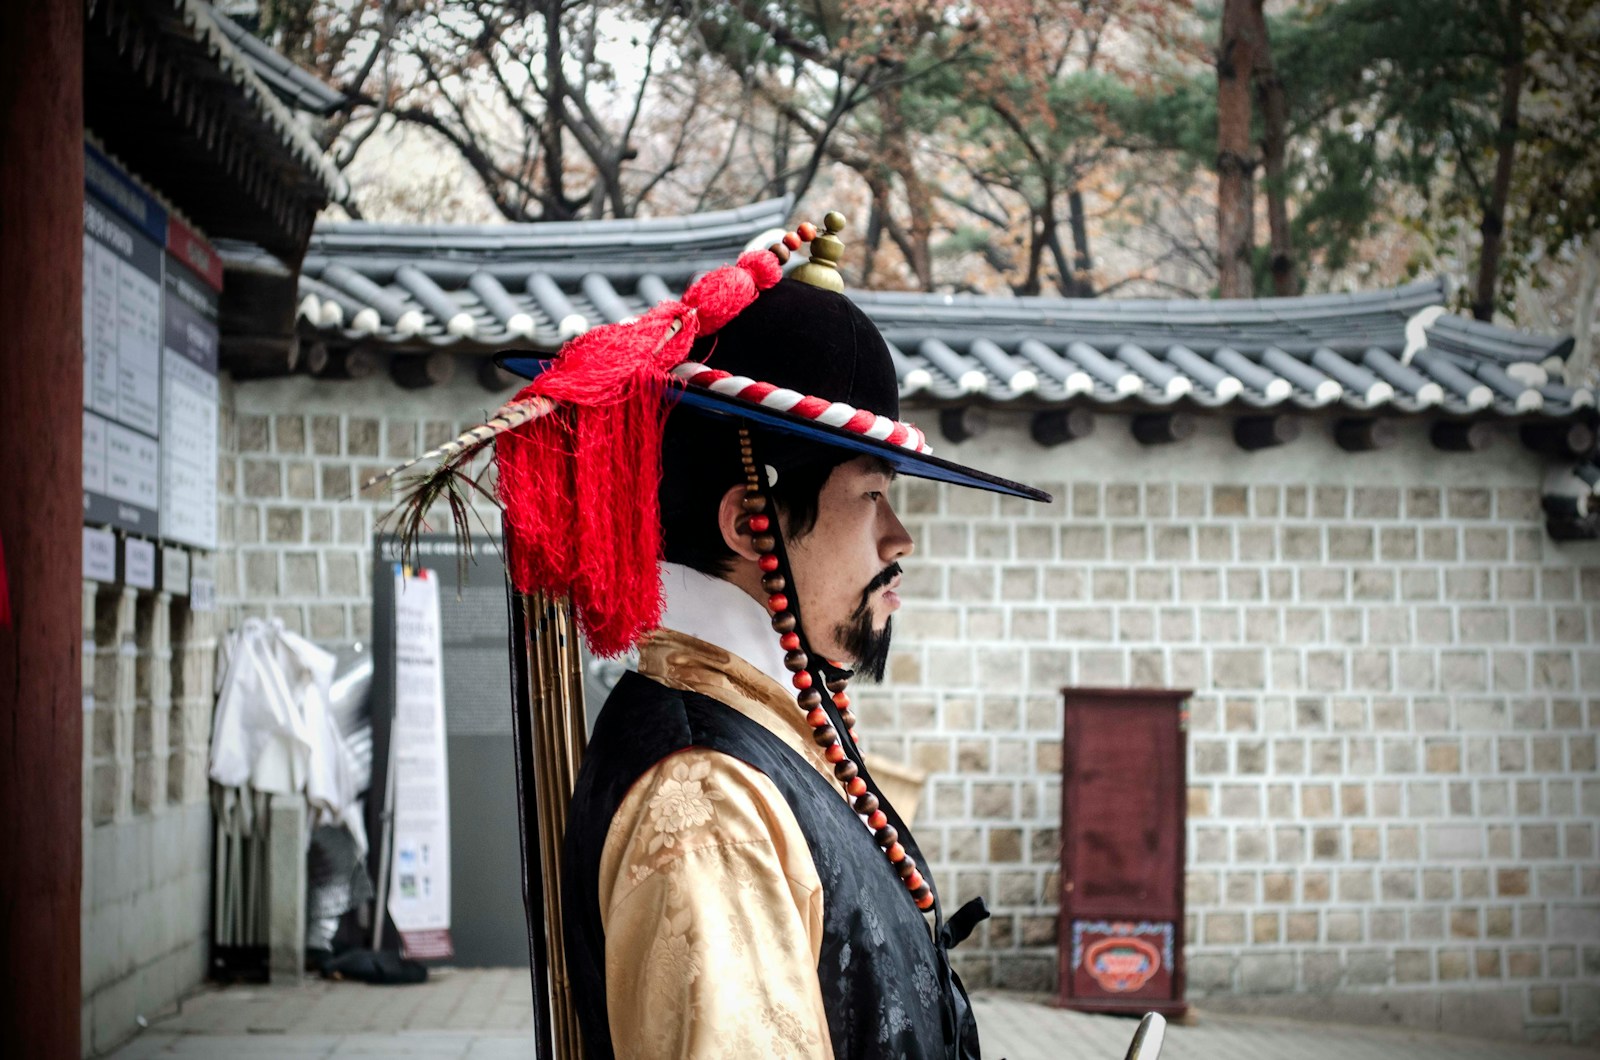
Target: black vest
886, 984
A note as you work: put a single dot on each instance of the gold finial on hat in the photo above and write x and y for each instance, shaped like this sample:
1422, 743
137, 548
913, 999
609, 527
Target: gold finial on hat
826, 250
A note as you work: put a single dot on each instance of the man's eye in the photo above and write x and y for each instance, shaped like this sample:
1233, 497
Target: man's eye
875, 495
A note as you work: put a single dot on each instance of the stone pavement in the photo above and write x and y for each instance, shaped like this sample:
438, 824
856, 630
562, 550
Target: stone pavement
484, 1014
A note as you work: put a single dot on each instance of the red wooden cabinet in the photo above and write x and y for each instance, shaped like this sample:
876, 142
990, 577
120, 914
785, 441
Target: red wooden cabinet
1123, 801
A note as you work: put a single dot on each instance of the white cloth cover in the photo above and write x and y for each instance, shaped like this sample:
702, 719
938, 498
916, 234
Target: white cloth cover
273, 730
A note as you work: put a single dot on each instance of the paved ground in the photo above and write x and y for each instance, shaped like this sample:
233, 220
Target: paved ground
485, 1015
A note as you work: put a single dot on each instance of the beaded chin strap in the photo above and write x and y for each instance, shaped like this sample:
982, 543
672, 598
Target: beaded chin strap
763, 528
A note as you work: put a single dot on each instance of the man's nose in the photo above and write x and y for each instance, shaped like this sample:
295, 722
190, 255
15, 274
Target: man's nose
895, 542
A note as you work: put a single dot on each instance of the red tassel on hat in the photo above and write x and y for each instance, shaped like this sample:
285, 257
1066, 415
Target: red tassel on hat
579, 486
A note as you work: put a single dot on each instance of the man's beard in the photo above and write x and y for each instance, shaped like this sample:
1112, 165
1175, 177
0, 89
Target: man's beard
867, 646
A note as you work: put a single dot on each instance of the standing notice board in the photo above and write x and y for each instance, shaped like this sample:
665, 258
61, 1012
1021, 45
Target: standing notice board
419, 880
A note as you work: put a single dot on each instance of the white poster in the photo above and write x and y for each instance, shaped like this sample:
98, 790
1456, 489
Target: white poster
419, 875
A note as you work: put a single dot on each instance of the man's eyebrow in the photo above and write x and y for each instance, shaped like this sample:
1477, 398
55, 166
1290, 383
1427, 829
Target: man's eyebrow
882, 467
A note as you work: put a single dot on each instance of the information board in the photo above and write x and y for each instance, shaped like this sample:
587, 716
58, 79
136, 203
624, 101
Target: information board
151, 288
189, 390
121, 371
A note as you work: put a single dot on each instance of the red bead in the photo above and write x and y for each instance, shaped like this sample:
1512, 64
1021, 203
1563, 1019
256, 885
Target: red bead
841, 700
817, 719
877, 819
768, 563
778, 602
759, 523
834, 753
925, 902
791, 241
896, 852
914, 880
806, 231
856, 787
802, 679
789, 642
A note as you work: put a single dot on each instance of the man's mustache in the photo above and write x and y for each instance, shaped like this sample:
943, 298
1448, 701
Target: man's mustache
887, 575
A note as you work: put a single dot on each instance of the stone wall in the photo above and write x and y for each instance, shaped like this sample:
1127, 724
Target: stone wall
1393, 734
148, 675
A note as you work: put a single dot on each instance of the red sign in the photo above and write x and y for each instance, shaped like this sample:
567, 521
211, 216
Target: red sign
189, 247
1122, 959
1120, 965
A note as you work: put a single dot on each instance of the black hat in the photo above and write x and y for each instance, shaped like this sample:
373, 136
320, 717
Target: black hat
803, 360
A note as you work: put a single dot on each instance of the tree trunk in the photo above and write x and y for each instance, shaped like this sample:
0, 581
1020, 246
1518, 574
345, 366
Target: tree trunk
1274, 122
874, 236
555, 90
902, 161
1082, 263
1236, 57
1580, 365
1513, 66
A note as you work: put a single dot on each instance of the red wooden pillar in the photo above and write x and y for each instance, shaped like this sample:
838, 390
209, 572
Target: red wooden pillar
1123, 806
41, 519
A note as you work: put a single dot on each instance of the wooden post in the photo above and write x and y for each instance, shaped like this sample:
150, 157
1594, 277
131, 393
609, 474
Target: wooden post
41, 520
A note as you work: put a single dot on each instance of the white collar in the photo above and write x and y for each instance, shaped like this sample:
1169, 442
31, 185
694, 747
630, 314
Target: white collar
720, 613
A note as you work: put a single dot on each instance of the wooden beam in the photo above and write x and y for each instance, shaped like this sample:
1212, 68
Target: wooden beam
1054, 427
421, 370
1163, 428
1461, 436
340, 362
258, 356
496, 379
1264, 432
958, 425
1564, 440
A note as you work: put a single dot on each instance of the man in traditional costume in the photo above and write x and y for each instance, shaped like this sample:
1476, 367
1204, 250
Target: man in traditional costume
734, 882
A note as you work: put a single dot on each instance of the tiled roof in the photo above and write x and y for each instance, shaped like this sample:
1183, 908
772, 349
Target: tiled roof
1361, 356
291, 83
485, 287
203, 24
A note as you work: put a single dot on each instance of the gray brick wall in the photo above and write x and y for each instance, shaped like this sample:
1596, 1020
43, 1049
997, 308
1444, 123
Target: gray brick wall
1392, 739
148, 673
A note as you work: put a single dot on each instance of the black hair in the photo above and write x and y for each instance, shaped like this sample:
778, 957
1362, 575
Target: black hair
700, 461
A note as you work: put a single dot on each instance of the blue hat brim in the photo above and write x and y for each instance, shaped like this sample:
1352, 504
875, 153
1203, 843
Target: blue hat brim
904, 461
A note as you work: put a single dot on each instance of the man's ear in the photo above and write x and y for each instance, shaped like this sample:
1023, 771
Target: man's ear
729, 512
